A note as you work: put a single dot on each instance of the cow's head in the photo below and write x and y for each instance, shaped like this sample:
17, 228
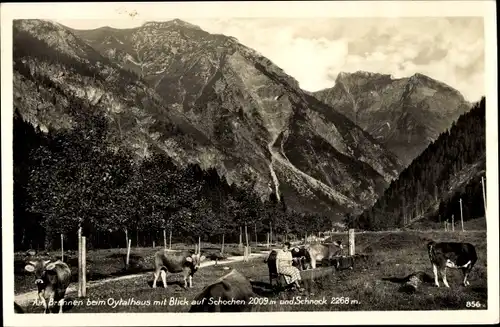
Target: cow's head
195, 260
304, 258
39, 268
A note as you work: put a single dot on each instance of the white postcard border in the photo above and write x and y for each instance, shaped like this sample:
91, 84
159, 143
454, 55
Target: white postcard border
165, 11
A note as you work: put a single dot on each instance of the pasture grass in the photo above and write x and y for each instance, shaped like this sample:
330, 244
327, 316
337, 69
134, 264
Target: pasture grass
373, 284
108, 263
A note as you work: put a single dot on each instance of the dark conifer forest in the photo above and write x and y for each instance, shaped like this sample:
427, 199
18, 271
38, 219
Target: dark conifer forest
64, 179
430, 188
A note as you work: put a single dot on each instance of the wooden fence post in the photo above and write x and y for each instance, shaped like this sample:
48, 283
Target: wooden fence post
351, 242
126, 237
80, 277
62, 247
484, 195
170, 239
271, 232
268, 240
154, 244
256, 238
164, 238
199, 245
240, 245
245, 254
127, 260
84, 266
222, 248
452, 223
246, 234
461, 215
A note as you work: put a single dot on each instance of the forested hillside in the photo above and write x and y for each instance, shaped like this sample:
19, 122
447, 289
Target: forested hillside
70, 177
432, 185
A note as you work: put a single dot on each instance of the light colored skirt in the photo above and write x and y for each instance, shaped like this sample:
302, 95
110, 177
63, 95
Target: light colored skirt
291, 274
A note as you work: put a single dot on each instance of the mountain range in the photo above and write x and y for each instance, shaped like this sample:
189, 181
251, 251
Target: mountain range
404, 114
208, 99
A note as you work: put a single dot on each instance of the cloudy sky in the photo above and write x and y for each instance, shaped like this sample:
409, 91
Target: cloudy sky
315, 50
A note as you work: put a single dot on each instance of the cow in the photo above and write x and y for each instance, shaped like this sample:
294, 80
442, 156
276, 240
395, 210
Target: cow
319, 252
301, 258
451, 255
230, 293
176, 262
52, 280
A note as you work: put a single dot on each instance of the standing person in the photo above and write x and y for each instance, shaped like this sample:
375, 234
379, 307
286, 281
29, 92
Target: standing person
284, 262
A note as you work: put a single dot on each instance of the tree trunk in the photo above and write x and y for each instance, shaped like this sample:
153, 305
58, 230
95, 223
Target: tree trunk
48, 240
23, 238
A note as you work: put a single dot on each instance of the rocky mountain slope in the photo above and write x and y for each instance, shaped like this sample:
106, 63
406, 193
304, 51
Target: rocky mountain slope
428, 191
404, 114
202, 98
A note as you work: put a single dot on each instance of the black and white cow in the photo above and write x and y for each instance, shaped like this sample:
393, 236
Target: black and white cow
176, 262
52, 280
451, 255
230, 293
301, 258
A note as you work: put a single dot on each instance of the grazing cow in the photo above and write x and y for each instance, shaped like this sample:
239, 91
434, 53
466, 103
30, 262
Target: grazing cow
319, 252
176, 262
230, 293
52, 280
301, 258
451, 255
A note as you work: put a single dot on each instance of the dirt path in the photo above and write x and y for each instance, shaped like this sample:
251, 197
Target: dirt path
31, 296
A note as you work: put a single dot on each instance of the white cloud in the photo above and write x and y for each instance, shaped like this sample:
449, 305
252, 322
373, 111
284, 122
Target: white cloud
314, 51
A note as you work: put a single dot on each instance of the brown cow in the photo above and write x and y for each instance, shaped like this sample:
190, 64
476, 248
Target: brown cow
52, 280
318, 252
230, 293
176, 262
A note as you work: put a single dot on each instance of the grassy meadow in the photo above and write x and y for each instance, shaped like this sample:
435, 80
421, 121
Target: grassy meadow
373, 284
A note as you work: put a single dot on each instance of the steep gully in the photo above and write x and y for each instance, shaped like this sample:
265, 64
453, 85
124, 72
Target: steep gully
273, 173
281, 158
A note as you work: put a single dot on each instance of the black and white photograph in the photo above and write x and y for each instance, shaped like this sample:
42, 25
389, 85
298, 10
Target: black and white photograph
327, 162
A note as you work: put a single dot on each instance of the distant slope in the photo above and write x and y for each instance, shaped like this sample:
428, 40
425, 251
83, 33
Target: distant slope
431, 186
236, 111
404, 114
